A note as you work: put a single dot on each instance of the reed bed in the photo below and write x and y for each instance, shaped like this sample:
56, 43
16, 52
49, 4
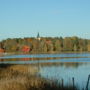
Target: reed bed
19, 77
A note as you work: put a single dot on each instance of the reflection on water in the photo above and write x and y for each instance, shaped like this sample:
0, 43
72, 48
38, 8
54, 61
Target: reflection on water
43, 60
46, 55
56, 66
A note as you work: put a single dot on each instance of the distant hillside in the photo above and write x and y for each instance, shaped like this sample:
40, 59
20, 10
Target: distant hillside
45, 45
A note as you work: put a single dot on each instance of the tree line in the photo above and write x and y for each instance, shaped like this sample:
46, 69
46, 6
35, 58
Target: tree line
45, 45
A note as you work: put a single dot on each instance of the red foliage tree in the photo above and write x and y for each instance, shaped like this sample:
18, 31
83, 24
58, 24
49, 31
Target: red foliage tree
26, 49
1, 50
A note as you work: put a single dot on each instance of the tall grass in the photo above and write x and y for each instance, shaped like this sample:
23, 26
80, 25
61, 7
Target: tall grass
18, 77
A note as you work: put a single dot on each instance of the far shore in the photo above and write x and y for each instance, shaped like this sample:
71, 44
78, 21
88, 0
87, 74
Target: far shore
21, 53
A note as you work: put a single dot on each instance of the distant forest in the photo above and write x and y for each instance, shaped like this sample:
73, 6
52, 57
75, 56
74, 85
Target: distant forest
45, 45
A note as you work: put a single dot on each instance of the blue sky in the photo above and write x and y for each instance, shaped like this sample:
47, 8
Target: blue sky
25, 18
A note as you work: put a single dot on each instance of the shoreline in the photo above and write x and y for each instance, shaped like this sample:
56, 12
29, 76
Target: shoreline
20, 53
63, 52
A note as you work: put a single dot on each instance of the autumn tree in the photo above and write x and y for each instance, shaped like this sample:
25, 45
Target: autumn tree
58, 45
88, 46
67, 44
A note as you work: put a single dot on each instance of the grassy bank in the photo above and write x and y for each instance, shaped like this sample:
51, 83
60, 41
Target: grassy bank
23, 77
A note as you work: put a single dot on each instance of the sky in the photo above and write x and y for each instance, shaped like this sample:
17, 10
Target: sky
51, 18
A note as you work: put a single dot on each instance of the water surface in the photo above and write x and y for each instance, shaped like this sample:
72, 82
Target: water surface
56, 66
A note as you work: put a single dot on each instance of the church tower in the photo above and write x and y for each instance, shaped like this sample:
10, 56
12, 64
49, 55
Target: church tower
38, 36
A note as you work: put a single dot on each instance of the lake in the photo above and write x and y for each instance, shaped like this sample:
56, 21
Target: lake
56, 66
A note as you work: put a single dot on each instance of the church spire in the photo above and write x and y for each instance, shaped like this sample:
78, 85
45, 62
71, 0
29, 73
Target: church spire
38, 36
